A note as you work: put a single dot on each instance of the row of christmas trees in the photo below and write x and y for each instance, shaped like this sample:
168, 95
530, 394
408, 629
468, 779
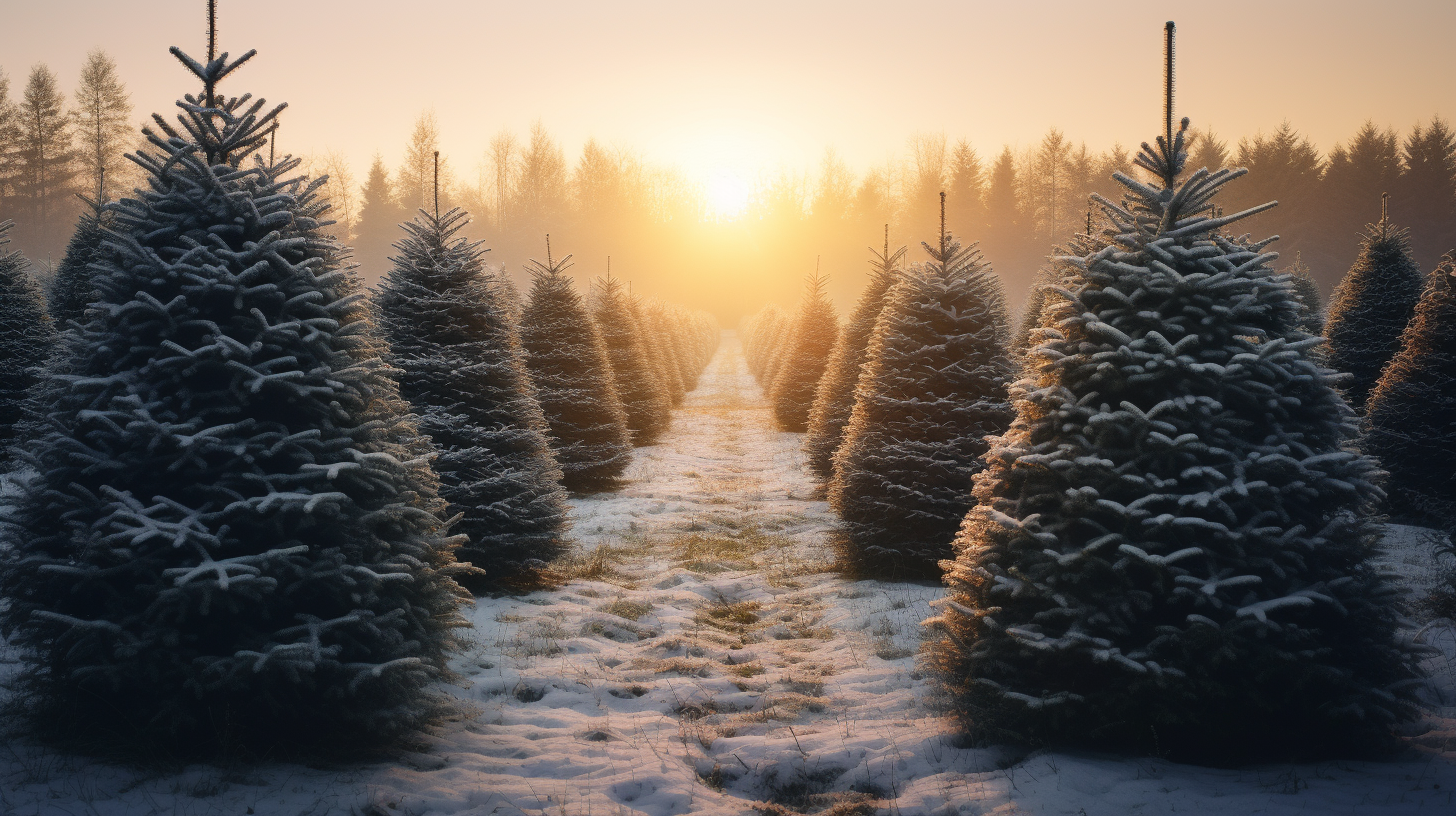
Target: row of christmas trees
250, 496
1158, 517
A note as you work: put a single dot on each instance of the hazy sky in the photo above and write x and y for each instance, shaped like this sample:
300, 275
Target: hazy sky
747, 87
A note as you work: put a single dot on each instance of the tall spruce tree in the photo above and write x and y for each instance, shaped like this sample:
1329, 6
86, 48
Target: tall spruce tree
568, 363
812, 338
380, 215
649, 408
834, 398
933, 387
1172, 551
1411, 426
1311, 305
26, 337
464, 372
232, 535
1371, 308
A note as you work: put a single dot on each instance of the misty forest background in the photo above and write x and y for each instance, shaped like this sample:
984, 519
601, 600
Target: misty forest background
661, 231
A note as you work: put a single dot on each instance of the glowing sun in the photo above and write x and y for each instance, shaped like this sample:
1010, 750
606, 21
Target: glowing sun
727, 193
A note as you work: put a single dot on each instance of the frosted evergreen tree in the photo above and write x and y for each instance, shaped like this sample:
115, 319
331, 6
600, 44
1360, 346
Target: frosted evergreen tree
1410, 426
232, 536
1172, 551
759, 333
568, 363
659, 354
1371, 308
1311, 304
933, 387
464, 372
834, 398
26, 337
815, 330
649, 409
72, 290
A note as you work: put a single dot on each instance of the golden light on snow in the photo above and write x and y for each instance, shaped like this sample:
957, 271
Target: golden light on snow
727, 193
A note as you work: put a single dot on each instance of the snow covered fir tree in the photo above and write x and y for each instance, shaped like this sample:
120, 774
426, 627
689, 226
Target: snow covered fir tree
1310, 302
646, 400
834, 396
72, 290
232, 539
1172, 551
463, 370
568, 364
933, 387
26, 336
812, 338
1370, 309
1410, 425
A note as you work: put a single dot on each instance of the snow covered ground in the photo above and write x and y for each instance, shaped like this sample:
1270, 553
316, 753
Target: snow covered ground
700, 658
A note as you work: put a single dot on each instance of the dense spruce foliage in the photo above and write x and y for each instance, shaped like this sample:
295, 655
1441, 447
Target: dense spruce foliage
464, 372
26, 337
815, 330
1311, 304
834, 398
1172, 551
933, 387
644, 396
568, 363
760, 333
1411, 425
1371, 308
73, 290
232, 535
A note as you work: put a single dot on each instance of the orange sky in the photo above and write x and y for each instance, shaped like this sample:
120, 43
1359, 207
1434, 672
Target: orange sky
750, 86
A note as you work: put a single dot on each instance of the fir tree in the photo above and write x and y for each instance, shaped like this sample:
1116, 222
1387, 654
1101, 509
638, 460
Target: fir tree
26, 336
1412, 418
1371, 308
933, 387
464, 372
758, 333
834, 398
379, 218
1172, 548
568, 363
73, 290
1311, 305
232, 534
815, 330
655, 344
649, 409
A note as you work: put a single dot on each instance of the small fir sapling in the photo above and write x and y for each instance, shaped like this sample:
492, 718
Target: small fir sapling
1311, 304
568, 363
73, 290
26, 337
1411, 425
834, 398
1173, 549
1371, 307
232, 538
464, 372
815, 330
933, 387
648, 406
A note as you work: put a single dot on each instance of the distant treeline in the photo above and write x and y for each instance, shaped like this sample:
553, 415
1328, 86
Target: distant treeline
657, 225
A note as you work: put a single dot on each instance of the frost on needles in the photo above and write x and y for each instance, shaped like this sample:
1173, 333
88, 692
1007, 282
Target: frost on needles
232, 534
1172, 551
26, 337
464, 372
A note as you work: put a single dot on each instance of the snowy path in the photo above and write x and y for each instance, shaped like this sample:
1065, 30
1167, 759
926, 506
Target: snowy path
698, 658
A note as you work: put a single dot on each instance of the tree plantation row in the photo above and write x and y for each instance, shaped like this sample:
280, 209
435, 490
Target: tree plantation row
249, 497
1156, 500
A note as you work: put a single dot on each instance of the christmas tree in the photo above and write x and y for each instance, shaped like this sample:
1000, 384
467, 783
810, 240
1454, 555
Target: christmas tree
1311, 304
73, 290
649, 409
834, 398
568, 363
464, 372
763, 334
232, 536
26, 337
1172, 551
1371, 308
812, 338
933, 387
1410, 426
